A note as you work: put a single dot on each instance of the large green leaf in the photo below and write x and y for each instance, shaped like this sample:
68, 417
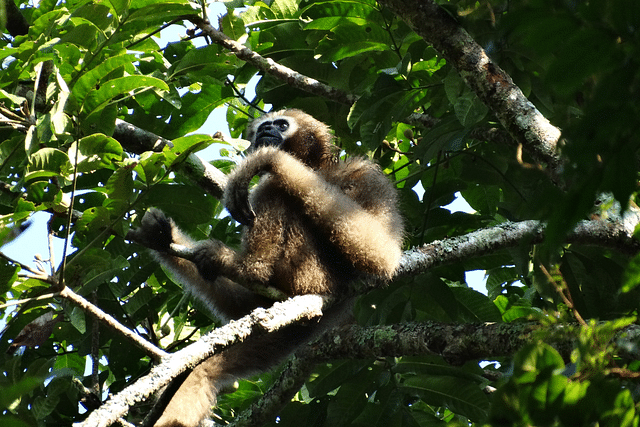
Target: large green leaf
46, 163
94, 152
460, 396
90, 80
119, 87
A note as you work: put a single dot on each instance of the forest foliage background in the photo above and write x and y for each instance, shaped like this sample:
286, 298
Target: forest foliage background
435, 93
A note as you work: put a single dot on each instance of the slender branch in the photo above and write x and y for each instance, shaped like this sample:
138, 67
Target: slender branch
269, 66
563, 290
112, 323
21, 265
26, 300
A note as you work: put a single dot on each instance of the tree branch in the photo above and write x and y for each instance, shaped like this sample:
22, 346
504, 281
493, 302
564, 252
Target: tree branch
269, 66
614, 234
260, 320
411, 339
492, 85
112, 323
137, 140
456, 343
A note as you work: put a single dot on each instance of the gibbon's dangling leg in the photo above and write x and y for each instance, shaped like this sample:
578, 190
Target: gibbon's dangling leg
312, 224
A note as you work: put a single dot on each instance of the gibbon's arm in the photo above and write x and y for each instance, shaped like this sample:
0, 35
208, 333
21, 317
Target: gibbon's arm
366, 228
225, 299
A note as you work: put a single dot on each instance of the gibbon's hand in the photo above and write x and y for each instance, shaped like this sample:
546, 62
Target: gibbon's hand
236, 196
154, 231
238, 205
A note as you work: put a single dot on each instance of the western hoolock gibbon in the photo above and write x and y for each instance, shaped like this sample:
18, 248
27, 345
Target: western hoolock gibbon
312, 224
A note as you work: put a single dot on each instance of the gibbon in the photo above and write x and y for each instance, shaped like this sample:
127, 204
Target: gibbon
311, 225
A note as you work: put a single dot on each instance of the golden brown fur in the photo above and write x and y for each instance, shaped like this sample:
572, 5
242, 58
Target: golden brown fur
313, 223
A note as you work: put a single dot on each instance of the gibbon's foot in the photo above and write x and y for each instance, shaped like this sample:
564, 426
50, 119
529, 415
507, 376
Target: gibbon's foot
204, 256
154, 231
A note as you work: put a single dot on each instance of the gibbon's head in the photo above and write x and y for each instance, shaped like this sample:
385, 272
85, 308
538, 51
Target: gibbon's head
295, 132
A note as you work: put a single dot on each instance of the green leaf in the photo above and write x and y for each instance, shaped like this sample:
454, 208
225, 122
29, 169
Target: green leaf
46, 163
181, 202
119, 87
14, 391
631, 278
475, 307
207, 61
90, 80
138, 300
469, 109
349, 8
119, 6
8, 275
534, 359
159, 11
44, 406
95, 152
77, 319
583, 54
195, 110
183, 147
460, 396
347, 45
70, 362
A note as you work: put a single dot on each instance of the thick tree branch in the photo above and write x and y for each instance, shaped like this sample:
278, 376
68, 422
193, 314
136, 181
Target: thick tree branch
494, 87
261, 320
456, 343
614, 234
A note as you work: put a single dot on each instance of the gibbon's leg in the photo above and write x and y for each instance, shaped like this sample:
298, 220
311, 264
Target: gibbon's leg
366, 228
194, 398
226, 299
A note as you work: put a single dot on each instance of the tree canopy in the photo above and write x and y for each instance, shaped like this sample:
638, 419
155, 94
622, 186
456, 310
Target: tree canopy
529, 111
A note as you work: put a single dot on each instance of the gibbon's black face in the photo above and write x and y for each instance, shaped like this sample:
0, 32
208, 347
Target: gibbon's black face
273, 131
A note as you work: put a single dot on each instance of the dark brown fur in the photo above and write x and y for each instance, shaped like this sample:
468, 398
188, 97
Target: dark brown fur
318, 222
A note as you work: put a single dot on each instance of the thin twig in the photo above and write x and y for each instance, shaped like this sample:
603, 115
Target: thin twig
110, 321
23, 301
563, 290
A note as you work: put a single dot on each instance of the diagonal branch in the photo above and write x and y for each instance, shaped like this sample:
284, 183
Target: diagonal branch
260, 321
112, 323
492, 85
269, 66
